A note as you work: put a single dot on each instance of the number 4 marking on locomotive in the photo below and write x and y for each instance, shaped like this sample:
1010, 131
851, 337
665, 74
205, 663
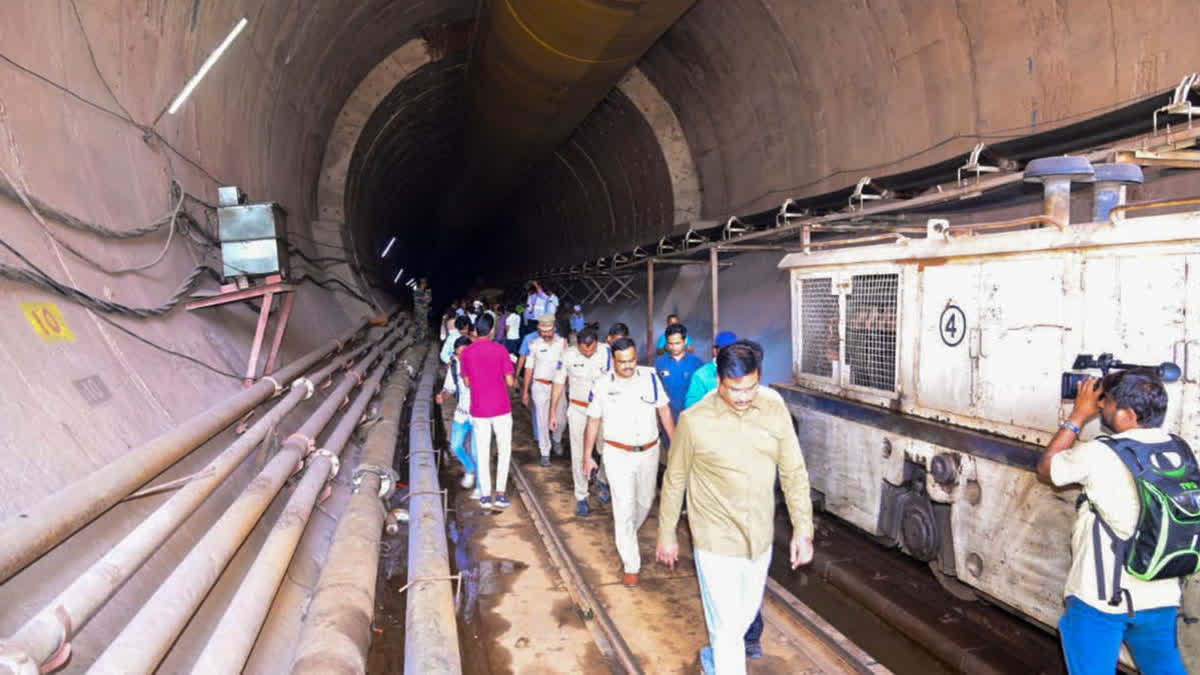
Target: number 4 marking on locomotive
952, 325
47, 321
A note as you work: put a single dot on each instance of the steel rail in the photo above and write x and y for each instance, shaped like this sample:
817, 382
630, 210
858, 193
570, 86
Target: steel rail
581, 591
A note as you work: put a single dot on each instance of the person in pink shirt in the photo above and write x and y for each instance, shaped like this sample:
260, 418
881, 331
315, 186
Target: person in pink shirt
488, 371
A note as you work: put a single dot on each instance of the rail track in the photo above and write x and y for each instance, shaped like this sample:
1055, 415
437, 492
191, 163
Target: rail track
824, 646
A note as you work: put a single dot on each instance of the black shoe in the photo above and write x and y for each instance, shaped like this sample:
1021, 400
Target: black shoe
545, 461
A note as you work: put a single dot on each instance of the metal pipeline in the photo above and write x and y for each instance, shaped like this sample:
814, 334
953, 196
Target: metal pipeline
337, 631
32, 532
144, 642
233, 638
48, 633
430, 629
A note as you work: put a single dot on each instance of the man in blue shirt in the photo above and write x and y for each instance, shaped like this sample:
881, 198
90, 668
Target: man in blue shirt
704, 380
523, 354
463, 326
661, 346
577, 319
675, 368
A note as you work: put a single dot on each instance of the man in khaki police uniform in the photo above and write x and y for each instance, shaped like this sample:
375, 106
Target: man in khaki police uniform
583, 363
630, 401
545, 353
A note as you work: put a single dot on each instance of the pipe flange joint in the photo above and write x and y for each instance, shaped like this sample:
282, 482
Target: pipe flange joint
388, 478
278, 387
305, 382
335, 464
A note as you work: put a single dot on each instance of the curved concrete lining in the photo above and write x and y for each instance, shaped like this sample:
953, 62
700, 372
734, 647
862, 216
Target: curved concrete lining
685, 185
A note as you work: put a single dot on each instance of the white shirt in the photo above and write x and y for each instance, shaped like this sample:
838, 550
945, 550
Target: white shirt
582, 371
544, 357
552, 304
462, 410
1111, 488
513, 326
628, 407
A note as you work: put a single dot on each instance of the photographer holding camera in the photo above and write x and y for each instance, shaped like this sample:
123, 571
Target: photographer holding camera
1109, 598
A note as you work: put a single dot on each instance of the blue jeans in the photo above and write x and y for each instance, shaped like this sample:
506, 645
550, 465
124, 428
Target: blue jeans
1092, 639
459, 433
754, 633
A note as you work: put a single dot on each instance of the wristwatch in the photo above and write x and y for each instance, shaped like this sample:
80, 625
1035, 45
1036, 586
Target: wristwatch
1067, 424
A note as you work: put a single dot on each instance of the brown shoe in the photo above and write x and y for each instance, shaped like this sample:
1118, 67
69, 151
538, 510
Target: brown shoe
630, 579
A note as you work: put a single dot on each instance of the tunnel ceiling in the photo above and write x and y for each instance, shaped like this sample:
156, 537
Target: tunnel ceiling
774, 99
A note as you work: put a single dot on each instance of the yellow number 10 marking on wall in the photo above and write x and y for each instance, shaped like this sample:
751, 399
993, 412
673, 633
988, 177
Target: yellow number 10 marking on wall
47, 321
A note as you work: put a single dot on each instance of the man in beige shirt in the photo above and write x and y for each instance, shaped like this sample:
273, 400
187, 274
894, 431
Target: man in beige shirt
579, 368
726, 453
630, 401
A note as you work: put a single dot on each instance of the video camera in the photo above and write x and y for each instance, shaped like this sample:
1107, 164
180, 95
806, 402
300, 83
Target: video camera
1169, 372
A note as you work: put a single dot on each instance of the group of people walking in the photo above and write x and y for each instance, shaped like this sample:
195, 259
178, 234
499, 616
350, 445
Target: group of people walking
722, 438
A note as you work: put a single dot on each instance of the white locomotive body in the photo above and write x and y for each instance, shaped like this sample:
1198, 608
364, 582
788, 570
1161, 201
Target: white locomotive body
927, 380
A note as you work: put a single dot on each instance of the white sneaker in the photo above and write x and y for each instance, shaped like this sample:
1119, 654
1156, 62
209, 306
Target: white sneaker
468, 480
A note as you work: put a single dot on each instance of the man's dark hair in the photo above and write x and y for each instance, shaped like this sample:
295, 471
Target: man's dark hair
587, 336
672, 316
1141, 391
461, 322
483, 325
619, 329
676, 329
462, 341
739, 359
623, 343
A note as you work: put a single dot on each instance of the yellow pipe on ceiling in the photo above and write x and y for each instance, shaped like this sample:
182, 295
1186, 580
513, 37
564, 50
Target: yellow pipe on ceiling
537, 68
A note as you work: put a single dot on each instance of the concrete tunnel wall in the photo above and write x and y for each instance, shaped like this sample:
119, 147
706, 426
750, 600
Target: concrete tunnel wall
774, 98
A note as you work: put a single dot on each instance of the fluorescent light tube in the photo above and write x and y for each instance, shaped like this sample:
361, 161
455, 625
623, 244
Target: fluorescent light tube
387, 248
204, 68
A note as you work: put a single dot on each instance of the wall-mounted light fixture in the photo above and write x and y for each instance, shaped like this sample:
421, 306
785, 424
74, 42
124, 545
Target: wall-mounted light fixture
399, 274
387, 248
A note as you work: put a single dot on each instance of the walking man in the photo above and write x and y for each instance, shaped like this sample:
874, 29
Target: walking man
627, 402
704, 379
462, 328
575, 374
422, 298
488, 371
545, 356
1142, 614
676, 367
460, 431
661, 346
726, 454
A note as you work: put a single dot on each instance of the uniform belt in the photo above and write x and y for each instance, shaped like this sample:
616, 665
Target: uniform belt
538, 379
633, 448
582, 404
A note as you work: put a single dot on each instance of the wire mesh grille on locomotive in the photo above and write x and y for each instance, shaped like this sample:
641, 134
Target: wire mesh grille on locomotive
818, 327
871, 331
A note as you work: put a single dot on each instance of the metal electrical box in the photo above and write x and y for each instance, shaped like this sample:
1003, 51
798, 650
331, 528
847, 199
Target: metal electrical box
250, 236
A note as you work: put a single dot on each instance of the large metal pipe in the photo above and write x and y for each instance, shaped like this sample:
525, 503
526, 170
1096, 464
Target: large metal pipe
35, 530
144, 642
430, 629
337, 632
538, 67
50, 630
231, 641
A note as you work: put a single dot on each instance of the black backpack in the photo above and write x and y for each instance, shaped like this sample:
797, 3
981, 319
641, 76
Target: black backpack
1166, 541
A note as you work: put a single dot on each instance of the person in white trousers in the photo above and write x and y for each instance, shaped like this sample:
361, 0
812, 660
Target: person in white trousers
580, 367
630, 402
545, 354
727, 451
